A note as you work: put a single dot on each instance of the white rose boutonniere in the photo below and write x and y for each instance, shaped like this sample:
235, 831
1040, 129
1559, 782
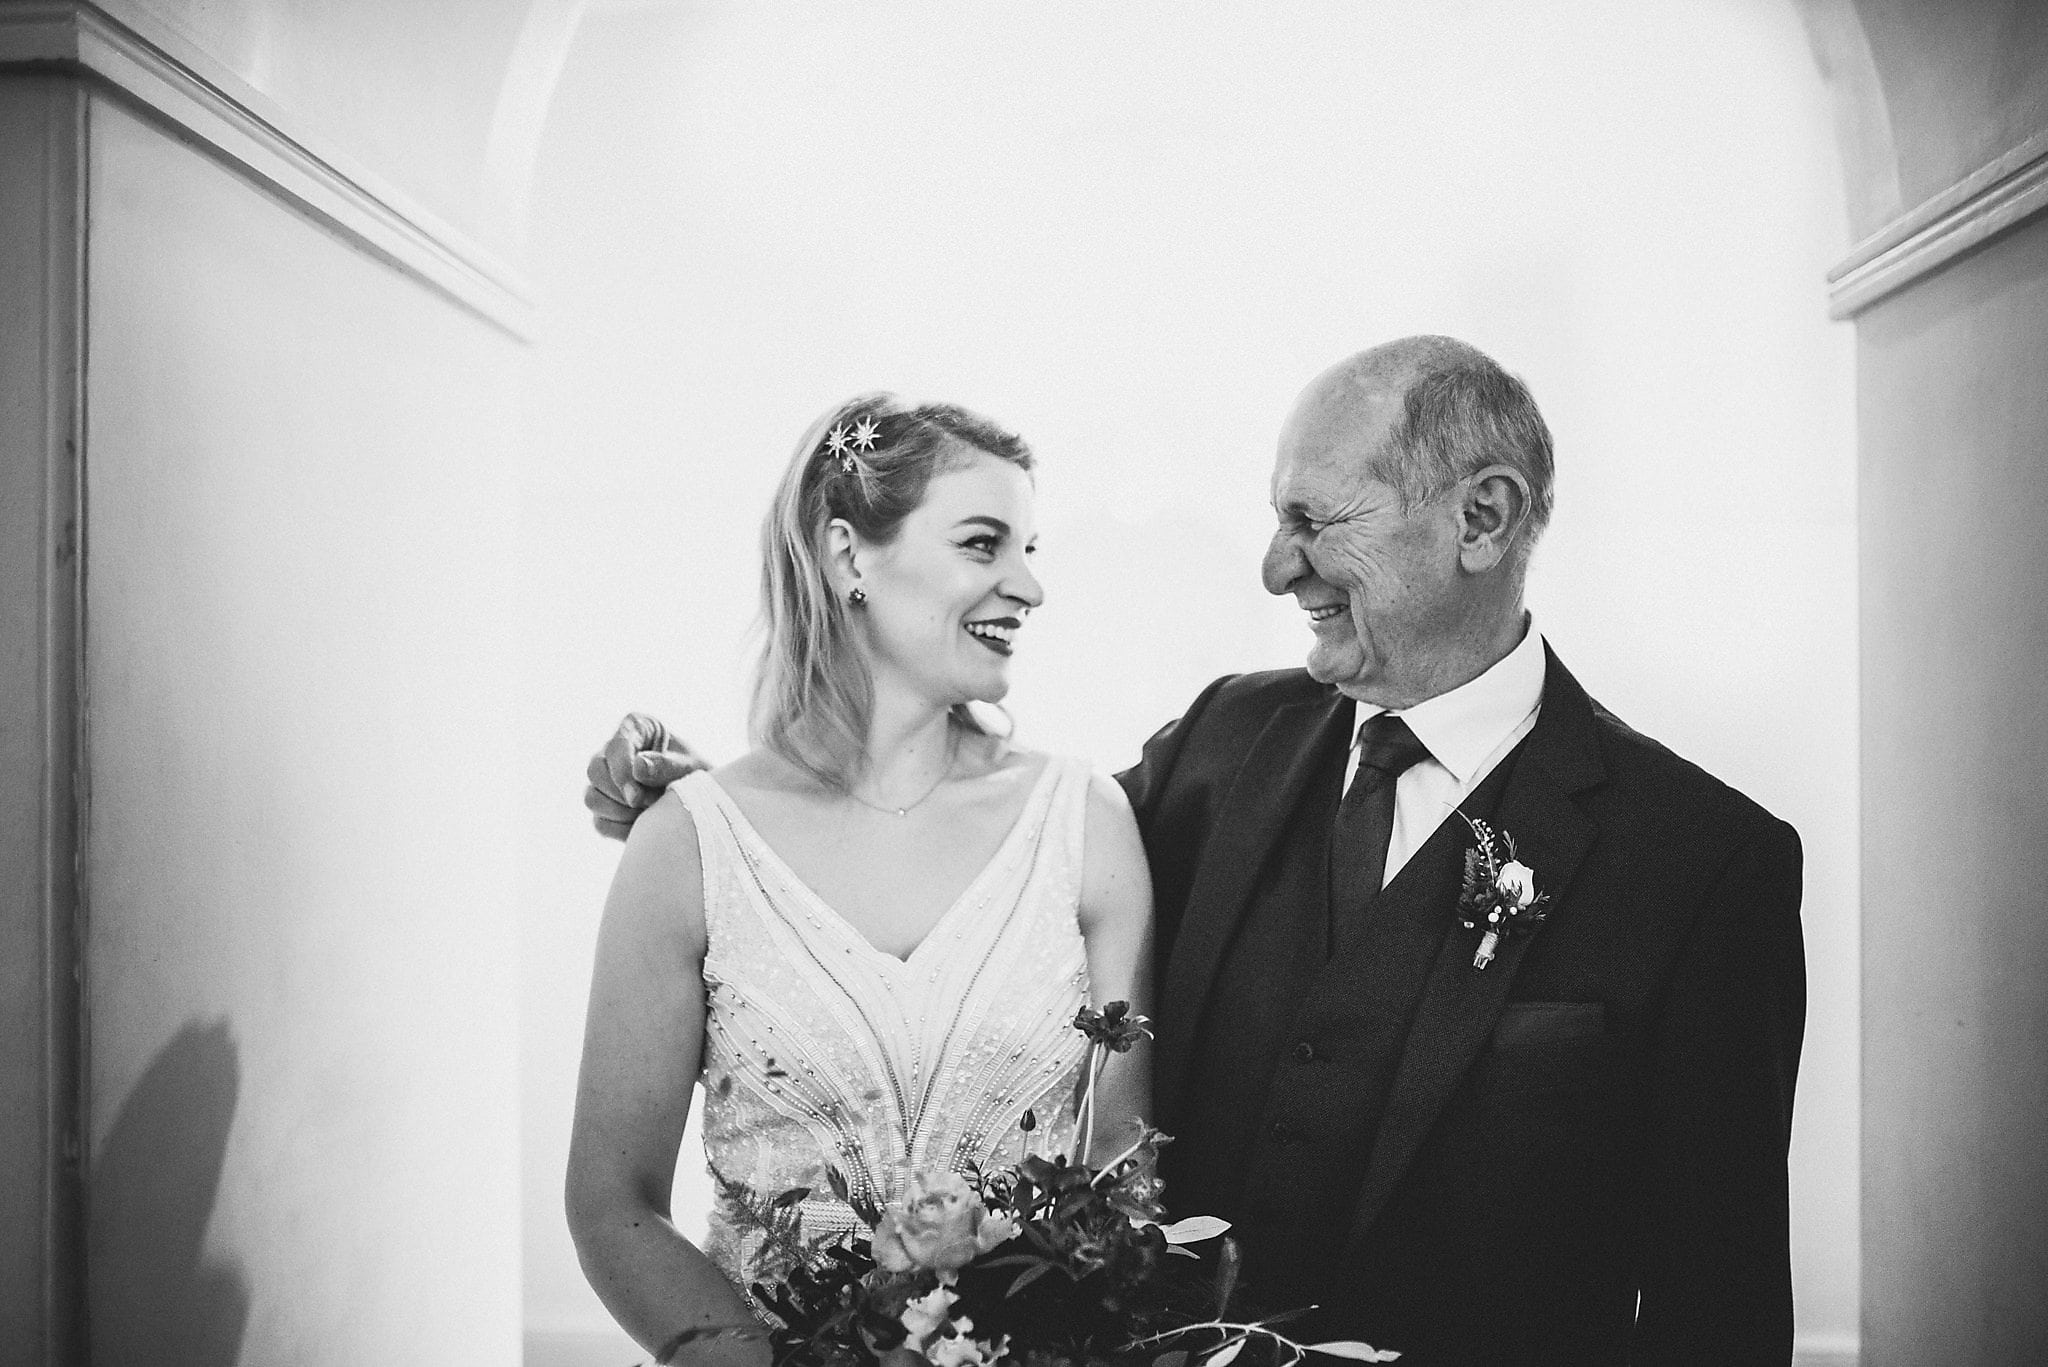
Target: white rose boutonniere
1499, 898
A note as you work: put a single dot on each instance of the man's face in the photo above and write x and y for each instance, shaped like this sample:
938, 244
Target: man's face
1381, 587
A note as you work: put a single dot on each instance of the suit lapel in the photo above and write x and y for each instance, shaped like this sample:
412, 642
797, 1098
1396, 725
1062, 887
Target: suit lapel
1246, 830
1460, 1004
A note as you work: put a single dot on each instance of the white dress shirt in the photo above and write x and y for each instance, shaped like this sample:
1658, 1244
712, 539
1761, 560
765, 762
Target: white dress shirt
1469, 731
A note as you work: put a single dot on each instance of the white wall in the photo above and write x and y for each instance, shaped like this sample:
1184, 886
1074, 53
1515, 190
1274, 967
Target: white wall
301, 963
1133, 232
252, 271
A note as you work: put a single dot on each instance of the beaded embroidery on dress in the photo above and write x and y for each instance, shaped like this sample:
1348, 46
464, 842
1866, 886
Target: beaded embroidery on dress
822, 1051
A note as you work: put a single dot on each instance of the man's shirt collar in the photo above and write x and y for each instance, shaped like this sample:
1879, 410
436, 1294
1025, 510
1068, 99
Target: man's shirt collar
1465, 727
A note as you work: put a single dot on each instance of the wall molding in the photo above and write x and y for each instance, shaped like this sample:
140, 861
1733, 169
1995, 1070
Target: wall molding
171, 80
1996, 197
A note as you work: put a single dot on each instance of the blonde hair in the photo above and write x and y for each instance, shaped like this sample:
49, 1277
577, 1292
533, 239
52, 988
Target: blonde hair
813, 690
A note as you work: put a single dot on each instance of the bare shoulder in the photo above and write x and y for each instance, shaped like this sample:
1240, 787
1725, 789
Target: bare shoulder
1116, 880
994, 757
757, 771
665, 834
1109, 809
657, 894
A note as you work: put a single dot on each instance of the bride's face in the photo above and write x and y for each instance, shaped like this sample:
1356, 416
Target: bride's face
947, 597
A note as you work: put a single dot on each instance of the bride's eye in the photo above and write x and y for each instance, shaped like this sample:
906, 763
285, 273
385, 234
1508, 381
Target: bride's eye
985, 544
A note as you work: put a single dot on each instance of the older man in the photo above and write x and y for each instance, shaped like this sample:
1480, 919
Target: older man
1562, 1144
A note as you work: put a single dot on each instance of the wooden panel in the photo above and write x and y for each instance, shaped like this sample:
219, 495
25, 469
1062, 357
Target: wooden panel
42, 126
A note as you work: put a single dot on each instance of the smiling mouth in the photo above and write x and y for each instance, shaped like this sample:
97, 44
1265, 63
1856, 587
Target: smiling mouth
996, 633
1325, 613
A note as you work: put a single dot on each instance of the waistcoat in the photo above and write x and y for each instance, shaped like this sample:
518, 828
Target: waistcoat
1299, 1045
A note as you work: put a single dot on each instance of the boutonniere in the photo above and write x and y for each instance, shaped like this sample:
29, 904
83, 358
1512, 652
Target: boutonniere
1499, 898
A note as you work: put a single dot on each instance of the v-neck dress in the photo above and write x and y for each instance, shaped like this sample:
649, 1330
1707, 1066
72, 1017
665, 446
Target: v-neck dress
822, 1051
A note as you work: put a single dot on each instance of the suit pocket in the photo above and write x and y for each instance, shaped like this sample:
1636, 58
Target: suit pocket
1539, 1047
1548, 1091
1541, 1025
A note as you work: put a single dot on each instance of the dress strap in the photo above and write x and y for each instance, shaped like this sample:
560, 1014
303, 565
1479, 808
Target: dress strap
718, 848
1068, 820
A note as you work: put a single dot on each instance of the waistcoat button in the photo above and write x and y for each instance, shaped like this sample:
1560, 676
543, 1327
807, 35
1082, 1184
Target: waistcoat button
1305, 1051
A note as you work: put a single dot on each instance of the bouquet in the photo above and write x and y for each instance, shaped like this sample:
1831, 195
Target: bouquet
1051, 1263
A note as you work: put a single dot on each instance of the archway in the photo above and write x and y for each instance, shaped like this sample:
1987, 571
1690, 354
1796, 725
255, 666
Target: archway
1134, 236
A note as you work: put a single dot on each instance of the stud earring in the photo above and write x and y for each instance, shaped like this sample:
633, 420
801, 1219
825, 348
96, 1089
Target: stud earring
858, 596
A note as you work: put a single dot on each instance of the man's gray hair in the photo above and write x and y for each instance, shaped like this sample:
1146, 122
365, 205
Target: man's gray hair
1461, 413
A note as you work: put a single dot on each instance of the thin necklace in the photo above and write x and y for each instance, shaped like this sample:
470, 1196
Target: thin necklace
952, 754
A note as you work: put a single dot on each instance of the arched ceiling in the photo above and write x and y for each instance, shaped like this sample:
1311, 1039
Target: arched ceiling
1927, 93
441, 99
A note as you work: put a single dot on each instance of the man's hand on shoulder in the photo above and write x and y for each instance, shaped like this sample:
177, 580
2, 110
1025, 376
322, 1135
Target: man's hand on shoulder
632, 771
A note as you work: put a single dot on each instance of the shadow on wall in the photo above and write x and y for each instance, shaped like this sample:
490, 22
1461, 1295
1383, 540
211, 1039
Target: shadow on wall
155, 1295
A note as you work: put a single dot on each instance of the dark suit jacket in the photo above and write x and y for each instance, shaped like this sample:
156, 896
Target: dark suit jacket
1600, 1116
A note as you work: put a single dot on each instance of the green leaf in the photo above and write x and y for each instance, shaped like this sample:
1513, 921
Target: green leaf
1026, 1277
1225, 1355
1177, 1358
1228, 1265
1195, 1229
1353, 1349
791, 1197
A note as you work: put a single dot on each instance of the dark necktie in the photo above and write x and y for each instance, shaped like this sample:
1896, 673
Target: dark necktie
1365, 818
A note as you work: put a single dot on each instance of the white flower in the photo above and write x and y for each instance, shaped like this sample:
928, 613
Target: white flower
928, 1314
1518, 881
939, 1225
962, 1351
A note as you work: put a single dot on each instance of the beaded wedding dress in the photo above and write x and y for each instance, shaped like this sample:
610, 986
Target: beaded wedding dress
821, 1051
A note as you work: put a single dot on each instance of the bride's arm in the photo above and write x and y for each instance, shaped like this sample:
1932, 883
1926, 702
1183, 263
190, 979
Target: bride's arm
642, 1046
1116, 928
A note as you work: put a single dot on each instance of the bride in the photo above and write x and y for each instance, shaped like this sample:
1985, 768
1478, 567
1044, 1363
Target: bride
867, 936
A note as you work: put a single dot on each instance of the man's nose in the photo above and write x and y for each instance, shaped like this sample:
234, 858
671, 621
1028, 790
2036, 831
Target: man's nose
1284, 563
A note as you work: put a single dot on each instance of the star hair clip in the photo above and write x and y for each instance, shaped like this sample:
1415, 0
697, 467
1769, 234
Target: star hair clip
845, 442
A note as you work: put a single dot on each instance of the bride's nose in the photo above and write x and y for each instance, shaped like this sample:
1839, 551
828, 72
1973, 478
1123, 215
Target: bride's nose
1021, 586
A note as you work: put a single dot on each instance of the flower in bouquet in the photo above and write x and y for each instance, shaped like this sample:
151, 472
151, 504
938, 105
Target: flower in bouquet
962, 1351
1112, 1030
1052, 1262
933, 1332
940, 1225
925, 1316
1113, 1027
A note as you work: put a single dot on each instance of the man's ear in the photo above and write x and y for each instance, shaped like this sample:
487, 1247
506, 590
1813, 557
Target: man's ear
1491, 517
842, 562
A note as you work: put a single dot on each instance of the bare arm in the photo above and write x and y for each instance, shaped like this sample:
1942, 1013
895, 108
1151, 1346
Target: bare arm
1116, 930
642, 1047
